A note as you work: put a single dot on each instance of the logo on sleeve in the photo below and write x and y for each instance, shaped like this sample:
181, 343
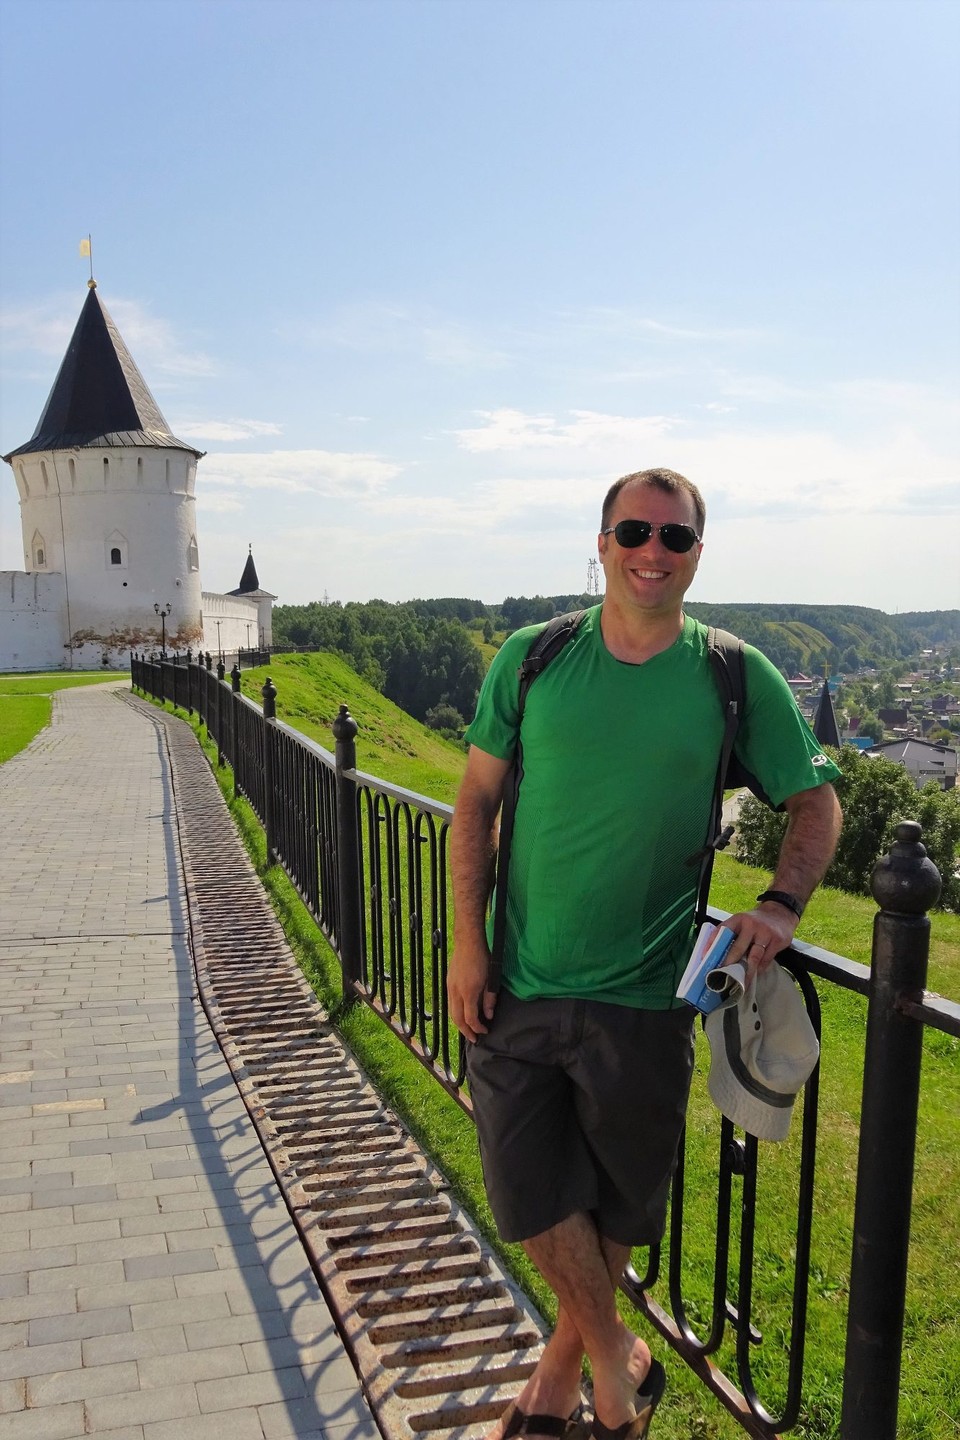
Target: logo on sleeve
818, 760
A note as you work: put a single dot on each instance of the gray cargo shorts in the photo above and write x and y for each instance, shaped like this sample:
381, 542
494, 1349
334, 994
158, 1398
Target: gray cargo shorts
579, 1106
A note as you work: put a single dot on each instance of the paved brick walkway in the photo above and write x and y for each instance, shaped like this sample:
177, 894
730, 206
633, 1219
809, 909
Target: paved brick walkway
152, 1284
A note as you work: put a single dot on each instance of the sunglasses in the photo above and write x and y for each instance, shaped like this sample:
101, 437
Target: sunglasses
631, 534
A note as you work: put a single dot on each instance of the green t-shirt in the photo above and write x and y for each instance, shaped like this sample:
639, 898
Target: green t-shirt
619, 766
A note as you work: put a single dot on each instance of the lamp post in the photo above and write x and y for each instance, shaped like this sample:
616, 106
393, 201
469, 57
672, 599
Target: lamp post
219, 648
163, 612
248, 638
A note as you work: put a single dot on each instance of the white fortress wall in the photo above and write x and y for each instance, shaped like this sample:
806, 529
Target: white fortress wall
239, 623
33, 634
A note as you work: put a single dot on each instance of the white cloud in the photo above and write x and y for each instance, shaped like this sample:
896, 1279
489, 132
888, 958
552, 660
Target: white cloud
749, 471
513, 430
224, 429
218, 504
319, 472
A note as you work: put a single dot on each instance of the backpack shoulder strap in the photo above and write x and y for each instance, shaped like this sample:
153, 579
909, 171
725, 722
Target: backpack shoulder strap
725, 654
546, 646
725, 657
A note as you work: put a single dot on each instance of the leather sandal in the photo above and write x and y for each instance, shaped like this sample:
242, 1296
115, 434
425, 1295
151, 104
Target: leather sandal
647, 1398
520, 1423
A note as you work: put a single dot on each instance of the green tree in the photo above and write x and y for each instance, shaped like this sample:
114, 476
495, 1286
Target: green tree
872, 726
875, 795
445, 718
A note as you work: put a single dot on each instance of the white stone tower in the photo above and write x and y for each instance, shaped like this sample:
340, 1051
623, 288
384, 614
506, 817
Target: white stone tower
107, 505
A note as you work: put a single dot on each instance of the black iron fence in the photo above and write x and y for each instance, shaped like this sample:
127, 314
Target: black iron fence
369, 860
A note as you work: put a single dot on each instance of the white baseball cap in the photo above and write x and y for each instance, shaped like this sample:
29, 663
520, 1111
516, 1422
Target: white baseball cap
763, 1049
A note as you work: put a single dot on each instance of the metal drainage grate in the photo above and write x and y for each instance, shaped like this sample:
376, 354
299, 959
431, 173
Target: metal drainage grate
441, 1336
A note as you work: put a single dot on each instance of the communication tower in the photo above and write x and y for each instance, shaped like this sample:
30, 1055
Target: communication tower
593, 576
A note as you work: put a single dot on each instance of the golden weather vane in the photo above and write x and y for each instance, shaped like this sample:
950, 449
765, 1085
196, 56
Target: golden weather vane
86, 248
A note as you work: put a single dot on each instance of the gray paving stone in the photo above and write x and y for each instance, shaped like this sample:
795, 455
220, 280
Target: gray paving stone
13, 1396
214, 1363
73, 1277
135, 1345
47, 1330
39, 1359
52, 1422
81, 1384
237, 1425
138, 1407
240, 1392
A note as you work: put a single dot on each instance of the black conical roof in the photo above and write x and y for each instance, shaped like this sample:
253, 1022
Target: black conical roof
248, 580
825, 725
99, 397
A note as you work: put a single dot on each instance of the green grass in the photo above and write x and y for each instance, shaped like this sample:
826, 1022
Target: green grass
931, 1380
390, 743
25, 704
22, 717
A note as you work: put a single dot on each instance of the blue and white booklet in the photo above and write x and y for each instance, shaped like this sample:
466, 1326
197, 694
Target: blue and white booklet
707, 983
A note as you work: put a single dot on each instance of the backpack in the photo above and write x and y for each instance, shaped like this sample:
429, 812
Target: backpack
725, 654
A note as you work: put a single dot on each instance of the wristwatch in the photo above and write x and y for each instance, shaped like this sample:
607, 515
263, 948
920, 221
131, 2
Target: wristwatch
782, 897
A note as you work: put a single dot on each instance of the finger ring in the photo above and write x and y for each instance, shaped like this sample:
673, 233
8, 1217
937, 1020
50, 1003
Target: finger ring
758, 945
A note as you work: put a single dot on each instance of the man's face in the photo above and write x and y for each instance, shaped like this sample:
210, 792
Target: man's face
649, 578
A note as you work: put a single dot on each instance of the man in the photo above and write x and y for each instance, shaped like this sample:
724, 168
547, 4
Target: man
580, 1067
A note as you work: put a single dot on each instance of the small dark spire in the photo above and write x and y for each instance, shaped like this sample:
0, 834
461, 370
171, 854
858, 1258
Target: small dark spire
825, 726
248, 580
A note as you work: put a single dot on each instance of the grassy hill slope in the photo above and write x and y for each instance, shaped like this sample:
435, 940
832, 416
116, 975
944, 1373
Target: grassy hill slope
390, 744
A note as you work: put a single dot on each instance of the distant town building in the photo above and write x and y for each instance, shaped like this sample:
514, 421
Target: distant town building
108, 515
922, 759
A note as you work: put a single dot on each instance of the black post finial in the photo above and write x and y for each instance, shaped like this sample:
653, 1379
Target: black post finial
235, 678
269, 693
906, 881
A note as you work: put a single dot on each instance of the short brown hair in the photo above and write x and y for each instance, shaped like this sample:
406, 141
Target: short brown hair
666, 480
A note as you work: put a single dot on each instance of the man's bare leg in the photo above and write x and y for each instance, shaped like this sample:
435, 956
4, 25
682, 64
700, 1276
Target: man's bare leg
583, 1269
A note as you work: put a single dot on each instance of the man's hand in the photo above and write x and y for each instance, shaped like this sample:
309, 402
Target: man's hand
761, 935
469, 1001
813, 827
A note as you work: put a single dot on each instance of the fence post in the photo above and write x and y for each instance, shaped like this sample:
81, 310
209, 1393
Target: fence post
237, 756
905, 885
269, 693
221, 671
350, 907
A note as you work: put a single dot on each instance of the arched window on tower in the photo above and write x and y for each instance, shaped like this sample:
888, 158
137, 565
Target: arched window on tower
38, 549
43, 472
116, 550
72, 470
193, 554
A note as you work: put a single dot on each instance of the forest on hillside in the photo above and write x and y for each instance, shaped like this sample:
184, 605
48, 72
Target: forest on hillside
424, 654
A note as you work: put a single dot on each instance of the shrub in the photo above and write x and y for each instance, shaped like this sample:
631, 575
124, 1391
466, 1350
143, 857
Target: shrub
875, 795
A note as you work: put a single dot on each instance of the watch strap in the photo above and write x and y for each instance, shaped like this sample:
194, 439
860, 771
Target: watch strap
783, 897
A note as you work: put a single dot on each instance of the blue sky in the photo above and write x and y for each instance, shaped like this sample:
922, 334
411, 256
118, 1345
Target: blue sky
423, 276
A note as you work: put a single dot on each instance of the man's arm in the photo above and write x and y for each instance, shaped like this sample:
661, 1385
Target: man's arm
473, 852
813, 829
